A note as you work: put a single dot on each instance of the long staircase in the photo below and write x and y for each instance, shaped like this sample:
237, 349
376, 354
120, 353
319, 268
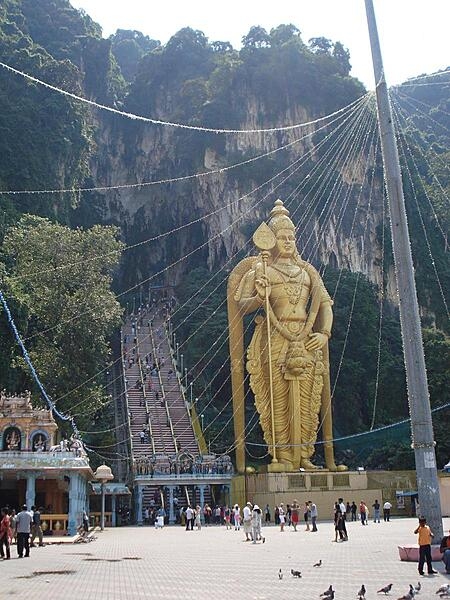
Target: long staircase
155, 401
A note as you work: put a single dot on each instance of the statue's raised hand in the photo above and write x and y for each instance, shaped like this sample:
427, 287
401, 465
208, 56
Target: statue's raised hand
315, 341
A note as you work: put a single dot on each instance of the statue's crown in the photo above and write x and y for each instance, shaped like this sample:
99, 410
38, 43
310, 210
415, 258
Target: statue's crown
279, 217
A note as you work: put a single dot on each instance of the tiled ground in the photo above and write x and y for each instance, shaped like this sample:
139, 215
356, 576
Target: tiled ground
141, 562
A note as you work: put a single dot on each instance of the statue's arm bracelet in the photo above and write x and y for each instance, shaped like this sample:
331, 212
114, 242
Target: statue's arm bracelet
326, 332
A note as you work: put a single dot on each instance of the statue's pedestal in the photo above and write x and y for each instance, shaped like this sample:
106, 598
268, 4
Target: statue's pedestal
278, 467
325, 487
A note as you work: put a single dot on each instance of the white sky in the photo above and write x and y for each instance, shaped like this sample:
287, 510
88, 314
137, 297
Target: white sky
414, 34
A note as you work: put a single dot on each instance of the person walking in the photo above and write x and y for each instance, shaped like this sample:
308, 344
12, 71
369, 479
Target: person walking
376, 511
247, 521
288, 514
281, 516
227, 516
85, 522
343, 508
237, 517
339, 525
387, 511
4, 534
267, 514
363, 513
445, 549
425, 536
295, 514
277, 515
306, 515
256, 525
314, 515
207, 512
12, 526
189, 514
353, 509
36, 529
23, 528
198, 517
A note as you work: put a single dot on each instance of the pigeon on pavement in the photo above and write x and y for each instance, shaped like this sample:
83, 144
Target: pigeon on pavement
296, 573
417, 587
318, 564
362, 593
444, 589
280, 574
328, 593
386, 589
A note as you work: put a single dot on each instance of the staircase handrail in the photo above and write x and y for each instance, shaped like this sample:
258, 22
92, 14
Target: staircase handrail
169, 419
198, 434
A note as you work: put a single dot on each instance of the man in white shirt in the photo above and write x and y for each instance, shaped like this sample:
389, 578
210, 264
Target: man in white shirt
23, 530
314, 515
343, 510
189, 514
387, 511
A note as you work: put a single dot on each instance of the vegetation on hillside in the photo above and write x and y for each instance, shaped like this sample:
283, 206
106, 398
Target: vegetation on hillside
58, 281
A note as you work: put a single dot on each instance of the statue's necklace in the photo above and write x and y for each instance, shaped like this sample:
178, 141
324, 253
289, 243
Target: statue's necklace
292, 288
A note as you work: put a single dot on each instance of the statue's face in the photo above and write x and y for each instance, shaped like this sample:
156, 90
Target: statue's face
285, 242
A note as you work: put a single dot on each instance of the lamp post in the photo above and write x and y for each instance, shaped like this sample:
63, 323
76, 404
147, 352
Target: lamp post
178, 353
191, 392
202, 416
185, 378
103, 474
181, 363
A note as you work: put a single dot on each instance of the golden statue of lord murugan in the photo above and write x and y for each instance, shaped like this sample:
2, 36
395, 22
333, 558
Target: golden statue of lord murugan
287, 358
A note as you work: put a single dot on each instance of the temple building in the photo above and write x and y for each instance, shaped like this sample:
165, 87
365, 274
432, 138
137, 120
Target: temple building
35, 470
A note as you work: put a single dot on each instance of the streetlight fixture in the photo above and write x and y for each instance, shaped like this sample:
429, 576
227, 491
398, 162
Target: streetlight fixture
185, 378
202, 416
181, 363
191, 391
103, 474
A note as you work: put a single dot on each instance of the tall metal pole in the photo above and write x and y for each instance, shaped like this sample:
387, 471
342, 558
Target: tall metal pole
416, 376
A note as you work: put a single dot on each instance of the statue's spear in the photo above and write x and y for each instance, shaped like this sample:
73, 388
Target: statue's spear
264, 239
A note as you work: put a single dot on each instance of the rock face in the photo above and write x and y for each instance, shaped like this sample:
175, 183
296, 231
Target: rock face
211, 216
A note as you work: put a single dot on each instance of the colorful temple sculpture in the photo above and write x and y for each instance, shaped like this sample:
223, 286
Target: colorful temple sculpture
37, 471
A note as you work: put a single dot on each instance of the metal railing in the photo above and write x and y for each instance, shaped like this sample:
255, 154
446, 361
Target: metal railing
169, 418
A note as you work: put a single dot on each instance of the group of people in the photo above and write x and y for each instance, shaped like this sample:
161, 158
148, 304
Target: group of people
251, 521
21, 528
342, 512
292, 514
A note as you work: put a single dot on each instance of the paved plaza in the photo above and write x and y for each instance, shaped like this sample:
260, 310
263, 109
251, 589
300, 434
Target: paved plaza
141, 562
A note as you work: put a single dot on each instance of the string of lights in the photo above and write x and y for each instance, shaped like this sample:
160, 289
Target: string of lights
149, 120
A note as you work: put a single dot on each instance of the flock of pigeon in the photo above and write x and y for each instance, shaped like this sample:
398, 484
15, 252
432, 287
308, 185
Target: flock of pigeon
328, 594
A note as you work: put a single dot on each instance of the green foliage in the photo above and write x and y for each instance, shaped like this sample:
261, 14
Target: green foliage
398, 457
128, 48
257, 37
60, 282
356, 324
437, 355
